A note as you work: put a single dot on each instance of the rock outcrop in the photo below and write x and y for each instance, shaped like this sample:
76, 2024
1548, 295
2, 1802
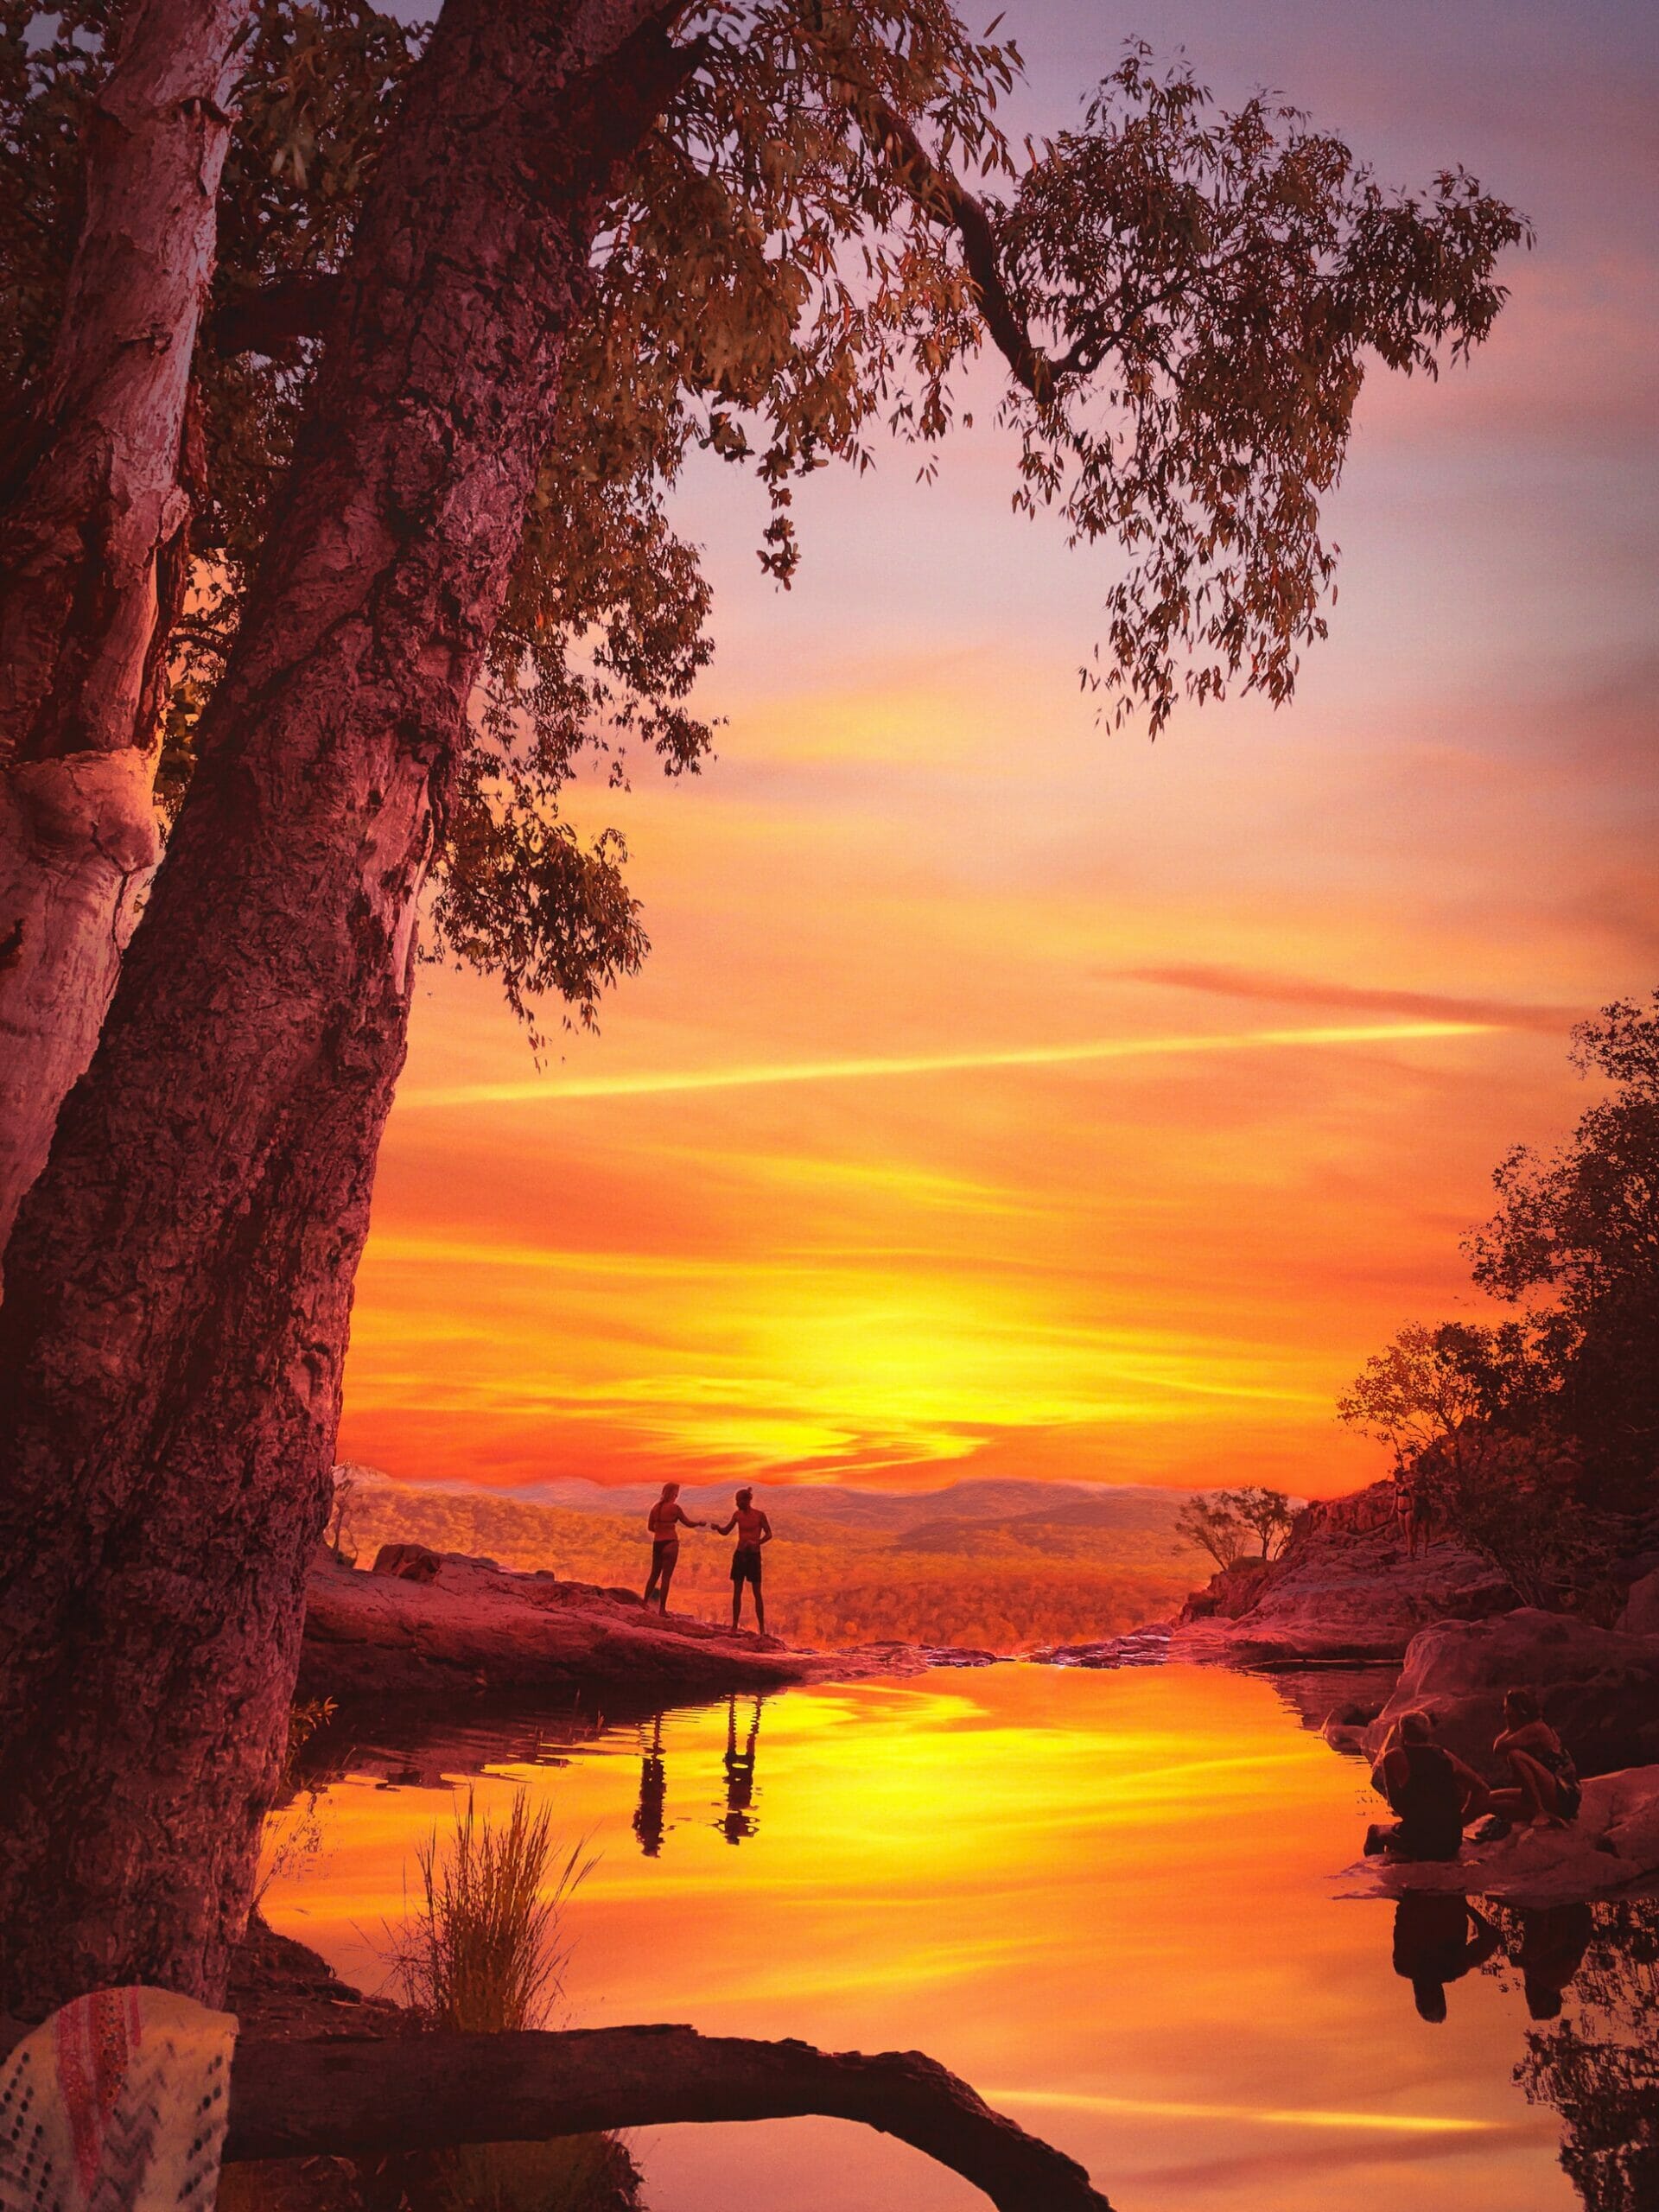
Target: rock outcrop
1600, 1688
1343, 1591
1612, 1850
474, 1627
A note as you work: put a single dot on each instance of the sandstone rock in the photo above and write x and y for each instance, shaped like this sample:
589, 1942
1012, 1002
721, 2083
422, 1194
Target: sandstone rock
477, 1627
1612, 1850
1343, 1592
412, 1562
1641, 1614
1600, 1688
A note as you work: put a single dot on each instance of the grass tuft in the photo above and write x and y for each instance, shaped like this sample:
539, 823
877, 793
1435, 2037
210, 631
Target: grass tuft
481, 1953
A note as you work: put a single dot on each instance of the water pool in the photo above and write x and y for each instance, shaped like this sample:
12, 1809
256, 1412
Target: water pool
1105, 1898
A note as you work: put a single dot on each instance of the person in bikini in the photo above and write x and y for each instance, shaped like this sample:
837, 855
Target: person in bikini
665, 1519
1545, 1791
753, 1529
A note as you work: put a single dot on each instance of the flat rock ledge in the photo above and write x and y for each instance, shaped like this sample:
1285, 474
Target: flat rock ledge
471, 1628
425, 1624
1611, 1851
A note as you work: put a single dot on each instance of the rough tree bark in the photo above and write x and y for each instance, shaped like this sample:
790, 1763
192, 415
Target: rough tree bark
366, 2097
92, 515
179, 1283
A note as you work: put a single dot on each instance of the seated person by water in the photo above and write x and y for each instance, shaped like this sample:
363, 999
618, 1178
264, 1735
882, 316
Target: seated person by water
665, 1519
1544, 1791
753, 1529
1431, 1789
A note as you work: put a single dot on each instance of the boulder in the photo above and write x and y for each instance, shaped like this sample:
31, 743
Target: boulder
1612, 1850
1600, 1688
1641, 1613
410, 1563
1343, 1592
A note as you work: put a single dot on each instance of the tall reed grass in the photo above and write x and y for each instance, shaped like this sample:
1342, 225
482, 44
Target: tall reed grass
481, 1953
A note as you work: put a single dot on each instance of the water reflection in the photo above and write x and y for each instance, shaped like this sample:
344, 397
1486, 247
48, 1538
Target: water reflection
740, 1774
1597, 2064
1104, 1898
653, 1793
1438, 1939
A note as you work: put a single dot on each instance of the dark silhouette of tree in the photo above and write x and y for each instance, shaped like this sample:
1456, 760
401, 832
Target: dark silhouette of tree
1582, 1225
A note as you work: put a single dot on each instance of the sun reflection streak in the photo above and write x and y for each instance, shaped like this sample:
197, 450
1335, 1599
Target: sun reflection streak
1393, 2123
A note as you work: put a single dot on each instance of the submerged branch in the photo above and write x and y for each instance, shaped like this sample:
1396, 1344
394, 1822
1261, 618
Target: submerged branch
386, 2095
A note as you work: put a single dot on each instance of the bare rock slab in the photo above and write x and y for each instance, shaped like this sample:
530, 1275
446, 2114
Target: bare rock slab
468, 1626
1600, 1688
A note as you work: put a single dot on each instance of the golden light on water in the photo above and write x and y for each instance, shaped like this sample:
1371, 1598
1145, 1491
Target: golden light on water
1105, 1900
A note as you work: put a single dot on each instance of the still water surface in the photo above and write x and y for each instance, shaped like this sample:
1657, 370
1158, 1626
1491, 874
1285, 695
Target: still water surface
1104, 1898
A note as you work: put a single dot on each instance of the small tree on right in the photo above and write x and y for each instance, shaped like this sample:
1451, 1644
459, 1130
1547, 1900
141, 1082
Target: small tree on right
1538, 1439
1582, 1223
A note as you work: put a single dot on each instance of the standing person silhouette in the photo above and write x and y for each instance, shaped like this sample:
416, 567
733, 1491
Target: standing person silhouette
753, 1529
664, 1521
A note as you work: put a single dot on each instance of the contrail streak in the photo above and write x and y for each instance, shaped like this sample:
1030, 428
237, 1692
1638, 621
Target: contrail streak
1033, 1056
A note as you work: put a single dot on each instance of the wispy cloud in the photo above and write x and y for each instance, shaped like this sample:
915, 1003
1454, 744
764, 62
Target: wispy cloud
651, 1085
1263, 986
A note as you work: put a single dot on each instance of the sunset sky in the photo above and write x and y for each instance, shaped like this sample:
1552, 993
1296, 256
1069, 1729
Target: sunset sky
1004, 1096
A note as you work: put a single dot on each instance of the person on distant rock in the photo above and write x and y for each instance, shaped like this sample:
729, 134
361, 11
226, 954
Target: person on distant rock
1438, 1939
1430, 1789
665, 1519
1411, 1507
1545, 1791
753, 1529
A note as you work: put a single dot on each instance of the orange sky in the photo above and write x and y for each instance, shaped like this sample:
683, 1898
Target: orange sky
1003, 1095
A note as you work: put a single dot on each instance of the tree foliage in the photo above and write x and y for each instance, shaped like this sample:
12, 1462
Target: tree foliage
1533, 1437
1582, 1225
826, 227
1224, 1523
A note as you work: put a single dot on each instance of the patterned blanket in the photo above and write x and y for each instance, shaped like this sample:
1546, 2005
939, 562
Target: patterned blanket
118, 2103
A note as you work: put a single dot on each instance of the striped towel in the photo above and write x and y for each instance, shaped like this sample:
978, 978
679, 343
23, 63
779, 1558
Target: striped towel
118, 2103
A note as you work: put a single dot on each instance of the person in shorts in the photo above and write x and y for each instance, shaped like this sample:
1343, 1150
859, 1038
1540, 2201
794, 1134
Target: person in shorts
753, 1529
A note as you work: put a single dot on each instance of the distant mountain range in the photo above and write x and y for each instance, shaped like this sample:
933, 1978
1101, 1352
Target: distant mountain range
1000, 1563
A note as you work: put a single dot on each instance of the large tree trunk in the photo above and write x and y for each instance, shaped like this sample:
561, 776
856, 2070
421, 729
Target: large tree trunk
180, 1281
92, 515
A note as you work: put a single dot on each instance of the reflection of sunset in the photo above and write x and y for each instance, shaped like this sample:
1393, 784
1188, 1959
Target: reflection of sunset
1104, 1896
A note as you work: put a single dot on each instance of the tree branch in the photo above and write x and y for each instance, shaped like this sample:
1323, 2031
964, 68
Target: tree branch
949, 203
422, 2093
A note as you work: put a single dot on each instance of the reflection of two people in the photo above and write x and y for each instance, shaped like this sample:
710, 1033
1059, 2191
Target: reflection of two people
739, 1822
1440, 1938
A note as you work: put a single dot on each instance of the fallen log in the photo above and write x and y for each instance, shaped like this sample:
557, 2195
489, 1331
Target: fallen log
371, 2095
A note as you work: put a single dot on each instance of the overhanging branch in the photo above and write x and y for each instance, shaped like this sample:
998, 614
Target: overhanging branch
424, 2093
948, 202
